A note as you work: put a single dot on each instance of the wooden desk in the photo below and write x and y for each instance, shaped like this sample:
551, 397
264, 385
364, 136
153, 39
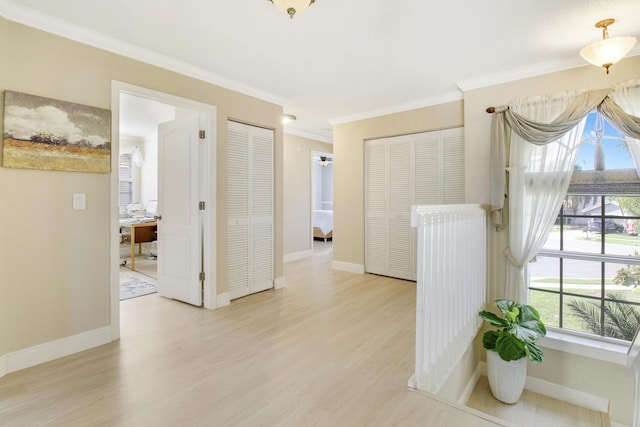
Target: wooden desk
140, 233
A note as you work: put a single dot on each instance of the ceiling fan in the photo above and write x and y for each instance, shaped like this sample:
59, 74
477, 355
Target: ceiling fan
324, 160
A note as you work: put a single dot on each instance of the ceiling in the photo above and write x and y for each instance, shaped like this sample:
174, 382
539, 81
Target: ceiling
341, 59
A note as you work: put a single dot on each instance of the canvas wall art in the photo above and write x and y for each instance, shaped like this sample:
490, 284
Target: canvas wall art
43, 133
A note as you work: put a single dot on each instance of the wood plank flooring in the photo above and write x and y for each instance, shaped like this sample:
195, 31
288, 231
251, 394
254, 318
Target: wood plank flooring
330, 349
534, 409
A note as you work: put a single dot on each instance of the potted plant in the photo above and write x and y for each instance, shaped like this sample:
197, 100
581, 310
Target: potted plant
509, 347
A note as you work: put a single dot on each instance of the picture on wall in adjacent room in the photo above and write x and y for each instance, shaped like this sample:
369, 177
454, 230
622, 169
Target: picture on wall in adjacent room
48, 134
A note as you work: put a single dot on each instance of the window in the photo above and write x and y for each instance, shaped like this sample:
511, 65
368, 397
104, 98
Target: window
587, 277
125, 180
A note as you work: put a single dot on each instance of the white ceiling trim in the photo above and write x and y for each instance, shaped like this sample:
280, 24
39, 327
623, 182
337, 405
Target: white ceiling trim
32, 18
308, 135
530, 71
413, 105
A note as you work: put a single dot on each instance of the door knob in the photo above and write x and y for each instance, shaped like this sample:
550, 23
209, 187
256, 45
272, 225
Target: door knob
157, 217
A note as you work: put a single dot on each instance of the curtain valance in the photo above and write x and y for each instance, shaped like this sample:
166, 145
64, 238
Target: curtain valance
505, 120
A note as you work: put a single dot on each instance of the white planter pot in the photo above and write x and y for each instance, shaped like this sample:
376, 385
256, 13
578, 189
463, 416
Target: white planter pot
506, 379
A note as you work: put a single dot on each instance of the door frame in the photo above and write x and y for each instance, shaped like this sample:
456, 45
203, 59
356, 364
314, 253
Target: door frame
208, 116
312, 193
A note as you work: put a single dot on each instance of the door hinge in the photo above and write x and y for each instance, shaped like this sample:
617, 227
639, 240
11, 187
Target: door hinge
202, 134
202, 276
201, 206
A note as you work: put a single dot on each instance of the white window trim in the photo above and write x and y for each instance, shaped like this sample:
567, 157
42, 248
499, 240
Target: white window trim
586, 345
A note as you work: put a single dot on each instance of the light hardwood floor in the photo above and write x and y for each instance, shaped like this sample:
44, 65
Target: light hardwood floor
534, 409
331, 349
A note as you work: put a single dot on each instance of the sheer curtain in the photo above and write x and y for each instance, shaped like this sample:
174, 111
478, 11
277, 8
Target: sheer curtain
539, 137
627, 96
539, 176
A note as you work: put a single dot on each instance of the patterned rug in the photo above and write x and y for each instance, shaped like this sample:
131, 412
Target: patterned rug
134, 284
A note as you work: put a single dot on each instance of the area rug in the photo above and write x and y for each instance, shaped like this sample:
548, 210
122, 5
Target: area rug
134, 284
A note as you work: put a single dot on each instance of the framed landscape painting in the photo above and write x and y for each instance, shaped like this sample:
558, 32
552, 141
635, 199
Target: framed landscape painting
43, 133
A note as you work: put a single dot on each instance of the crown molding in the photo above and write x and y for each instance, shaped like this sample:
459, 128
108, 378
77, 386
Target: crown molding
413, 105
308, 135
529, 71
35, 19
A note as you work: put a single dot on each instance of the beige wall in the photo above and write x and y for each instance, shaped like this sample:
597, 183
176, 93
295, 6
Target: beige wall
582, 373
348, 168
54, 262
297, 191
599, 378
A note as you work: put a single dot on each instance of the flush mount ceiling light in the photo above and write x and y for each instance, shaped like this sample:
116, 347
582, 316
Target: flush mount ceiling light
288, 118
291, 7
608, 51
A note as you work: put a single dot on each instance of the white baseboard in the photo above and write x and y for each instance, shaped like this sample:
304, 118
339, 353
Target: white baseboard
569, 395
46, 352
296, 256
563, 393
347, 266
223, 300
3, 366
279, 283
615, 424
471, 385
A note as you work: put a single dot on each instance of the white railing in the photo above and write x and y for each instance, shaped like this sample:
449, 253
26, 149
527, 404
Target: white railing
451, 288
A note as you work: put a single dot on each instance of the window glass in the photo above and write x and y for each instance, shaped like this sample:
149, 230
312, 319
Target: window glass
587, 276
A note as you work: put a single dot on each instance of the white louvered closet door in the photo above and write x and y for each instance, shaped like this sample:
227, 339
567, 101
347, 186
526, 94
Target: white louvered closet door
425, 168
376, 248
261, 210
399, 198
453, 166
249, 209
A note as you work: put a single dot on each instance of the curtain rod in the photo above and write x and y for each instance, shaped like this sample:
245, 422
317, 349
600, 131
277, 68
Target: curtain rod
491, 110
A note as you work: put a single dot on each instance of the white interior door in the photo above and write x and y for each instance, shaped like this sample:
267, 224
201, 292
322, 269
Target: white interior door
179, 222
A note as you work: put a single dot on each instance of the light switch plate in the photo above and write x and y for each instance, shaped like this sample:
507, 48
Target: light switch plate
79, 201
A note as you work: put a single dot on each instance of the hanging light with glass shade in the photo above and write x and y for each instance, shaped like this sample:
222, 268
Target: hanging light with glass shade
292, 7
608, 51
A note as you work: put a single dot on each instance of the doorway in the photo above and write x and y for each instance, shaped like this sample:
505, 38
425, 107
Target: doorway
138, 191
321, 201
133, 109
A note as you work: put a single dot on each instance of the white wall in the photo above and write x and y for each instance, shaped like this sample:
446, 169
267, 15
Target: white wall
327, 187
149, 171
298, 203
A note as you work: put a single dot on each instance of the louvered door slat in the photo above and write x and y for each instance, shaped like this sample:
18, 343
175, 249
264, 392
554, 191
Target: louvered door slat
376, 259
425, 168
453, 166
428, 172
250, 255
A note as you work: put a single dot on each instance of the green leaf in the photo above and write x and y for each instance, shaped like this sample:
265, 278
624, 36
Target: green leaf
494, 320
509, 347
489, 339
522, 332
506, 306
534, 353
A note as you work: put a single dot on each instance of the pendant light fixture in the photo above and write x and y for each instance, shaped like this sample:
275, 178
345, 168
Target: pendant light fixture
608, 51
292, 7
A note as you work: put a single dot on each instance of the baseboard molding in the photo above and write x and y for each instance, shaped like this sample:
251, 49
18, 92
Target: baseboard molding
347, 266
563, 393
569, 395
47, 352
3, 366
279, 283
471, 385
223, 300
296, 256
